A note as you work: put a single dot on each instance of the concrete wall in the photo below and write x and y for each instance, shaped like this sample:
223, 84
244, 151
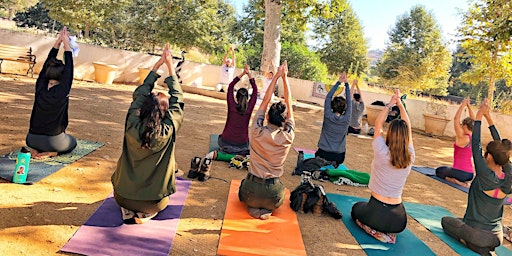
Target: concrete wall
202, 75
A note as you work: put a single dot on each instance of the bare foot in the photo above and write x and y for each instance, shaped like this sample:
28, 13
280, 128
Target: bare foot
456, 181
44, 155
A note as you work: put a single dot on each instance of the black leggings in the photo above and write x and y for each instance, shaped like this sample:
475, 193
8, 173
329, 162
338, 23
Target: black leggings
445, 171
62, 143
478, 240
386, 218
331, 156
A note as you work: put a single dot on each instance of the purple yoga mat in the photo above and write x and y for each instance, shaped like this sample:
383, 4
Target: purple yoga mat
105, 234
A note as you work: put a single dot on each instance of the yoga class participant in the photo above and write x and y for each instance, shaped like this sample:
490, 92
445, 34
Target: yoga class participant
337, 113
234, 139
393, 155
461, 173
47, 135
481, 228
262, 191
227, 70
144, 176
356, 119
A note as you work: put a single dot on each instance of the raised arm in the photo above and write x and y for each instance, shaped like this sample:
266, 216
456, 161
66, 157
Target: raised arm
460, 138
270, 90
254, 95
287, 92
233, 64
405, 115
330, 94
470, 110
381, 117
487, 114
231, 91
67, 74
174, 115
476, 145
41, 79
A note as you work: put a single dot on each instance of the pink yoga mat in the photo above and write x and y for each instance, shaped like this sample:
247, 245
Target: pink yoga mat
104, 233
305, 150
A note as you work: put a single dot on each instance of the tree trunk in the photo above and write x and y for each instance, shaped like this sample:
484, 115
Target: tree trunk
86, 30
272, 35
492, 75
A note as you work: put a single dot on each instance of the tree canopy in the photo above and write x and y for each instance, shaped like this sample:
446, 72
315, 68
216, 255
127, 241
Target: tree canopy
485, 35
416, 57
341, 42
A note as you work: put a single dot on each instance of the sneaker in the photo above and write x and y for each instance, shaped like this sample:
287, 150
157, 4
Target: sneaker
194, 167
204, 170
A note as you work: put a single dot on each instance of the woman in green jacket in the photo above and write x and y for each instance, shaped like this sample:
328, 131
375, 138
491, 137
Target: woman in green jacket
144, 176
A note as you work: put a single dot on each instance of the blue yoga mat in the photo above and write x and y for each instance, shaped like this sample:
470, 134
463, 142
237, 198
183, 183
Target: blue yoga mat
430, 217
406, 242
104, 233
431, 172
40, 169
214, 144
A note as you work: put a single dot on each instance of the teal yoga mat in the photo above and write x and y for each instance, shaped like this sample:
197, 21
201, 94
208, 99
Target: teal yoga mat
40, 169
430, 217
214, 144
406, 242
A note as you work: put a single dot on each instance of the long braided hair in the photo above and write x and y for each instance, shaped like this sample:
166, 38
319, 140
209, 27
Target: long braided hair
152, 112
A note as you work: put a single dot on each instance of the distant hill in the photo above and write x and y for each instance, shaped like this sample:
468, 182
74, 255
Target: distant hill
374, 56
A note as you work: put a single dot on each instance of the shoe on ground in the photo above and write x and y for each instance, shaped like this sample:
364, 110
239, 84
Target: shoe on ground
204, 170
194, 167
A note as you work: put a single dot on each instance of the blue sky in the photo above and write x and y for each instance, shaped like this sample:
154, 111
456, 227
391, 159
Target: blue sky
378, 16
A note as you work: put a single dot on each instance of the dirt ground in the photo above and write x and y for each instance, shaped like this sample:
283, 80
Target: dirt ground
39, 219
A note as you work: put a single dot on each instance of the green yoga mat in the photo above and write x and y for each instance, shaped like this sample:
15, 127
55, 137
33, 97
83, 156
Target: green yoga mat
430, 217
40, 169
406, 242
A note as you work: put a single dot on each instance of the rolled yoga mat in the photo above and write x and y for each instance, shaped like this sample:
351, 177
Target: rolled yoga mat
244, 235
104, 233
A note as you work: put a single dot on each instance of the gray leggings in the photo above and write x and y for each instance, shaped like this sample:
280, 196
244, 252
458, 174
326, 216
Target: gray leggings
478, 240
62, 143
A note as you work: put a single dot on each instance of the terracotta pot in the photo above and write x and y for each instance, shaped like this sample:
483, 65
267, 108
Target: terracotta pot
372, 111
435, 125
104, 73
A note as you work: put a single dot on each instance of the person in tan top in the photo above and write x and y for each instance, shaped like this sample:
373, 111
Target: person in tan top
262, 191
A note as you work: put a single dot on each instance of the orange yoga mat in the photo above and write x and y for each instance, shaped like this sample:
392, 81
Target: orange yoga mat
244, 235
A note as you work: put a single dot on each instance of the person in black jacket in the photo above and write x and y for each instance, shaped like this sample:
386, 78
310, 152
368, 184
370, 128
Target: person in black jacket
49, 119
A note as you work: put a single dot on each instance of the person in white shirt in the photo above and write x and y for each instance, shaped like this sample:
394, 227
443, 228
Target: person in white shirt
227, 70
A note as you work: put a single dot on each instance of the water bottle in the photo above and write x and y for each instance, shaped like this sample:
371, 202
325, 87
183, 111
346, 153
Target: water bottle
22, 165
366, 127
